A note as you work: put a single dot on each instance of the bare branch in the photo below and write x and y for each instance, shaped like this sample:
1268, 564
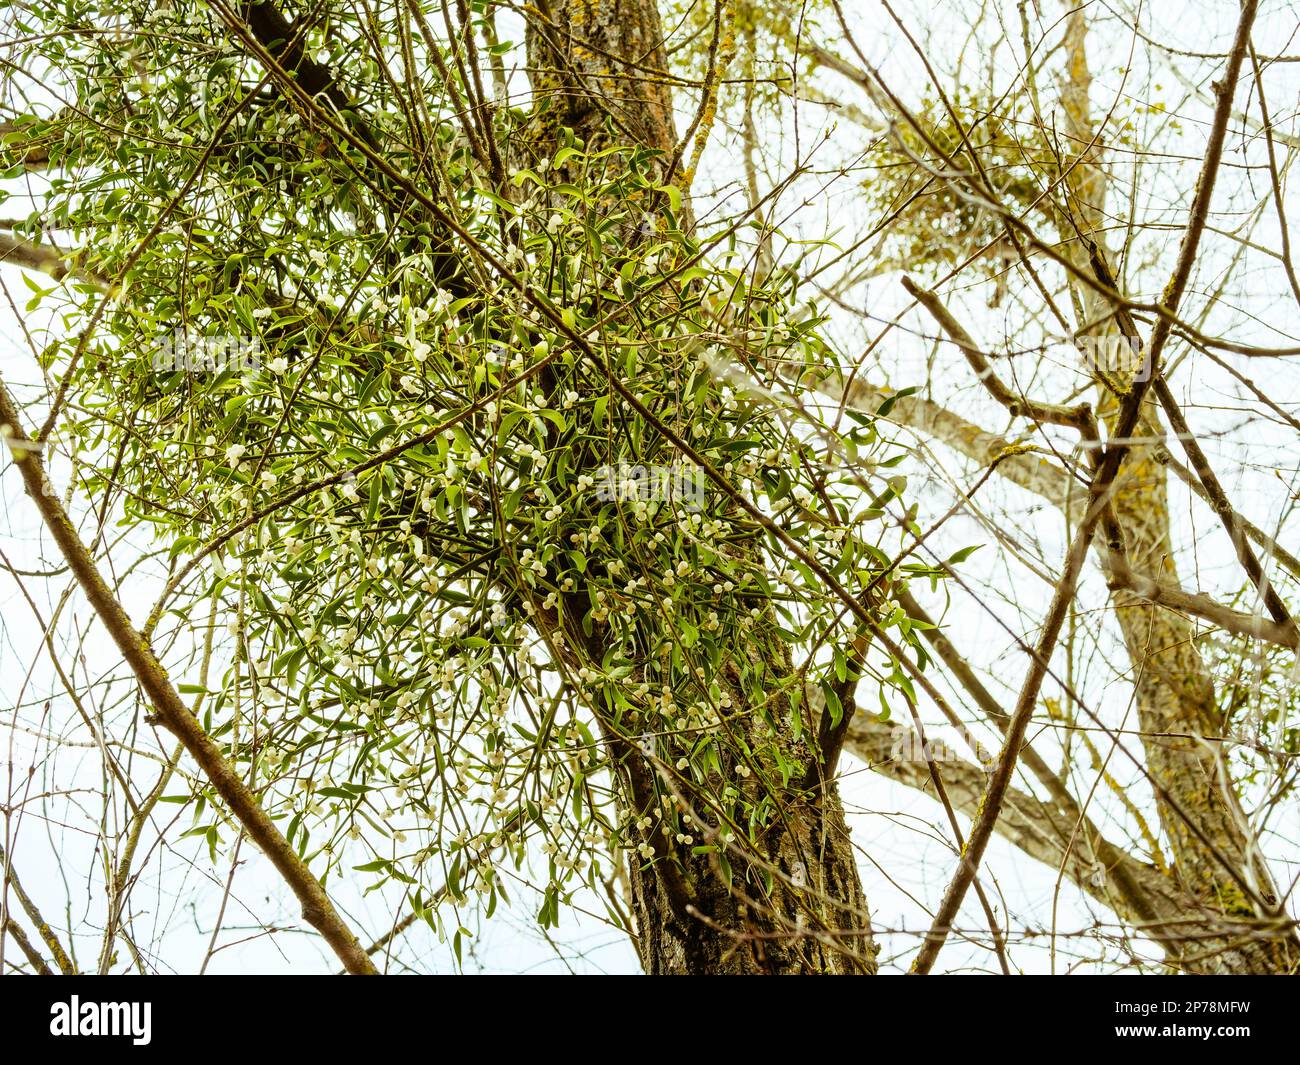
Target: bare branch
317, 909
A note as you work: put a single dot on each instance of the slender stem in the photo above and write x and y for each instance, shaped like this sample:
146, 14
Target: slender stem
139, 655
1098, 492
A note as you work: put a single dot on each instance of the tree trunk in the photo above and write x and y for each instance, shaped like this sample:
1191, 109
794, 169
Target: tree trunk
785, 898
1175, 695
1195, 794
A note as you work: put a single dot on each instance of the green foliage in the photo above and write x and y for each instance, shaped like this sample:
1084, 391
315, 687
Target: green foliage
937, 226
428, 659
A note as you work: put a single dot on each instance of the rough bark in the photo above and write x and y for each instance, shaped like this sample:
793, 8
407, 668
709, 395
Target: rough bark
1195, 909
1046, 830
599, 67
789, 900
1175, 694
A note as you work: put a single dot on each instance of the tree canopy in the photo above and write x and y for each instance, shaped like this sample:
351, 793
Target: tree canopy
524, 462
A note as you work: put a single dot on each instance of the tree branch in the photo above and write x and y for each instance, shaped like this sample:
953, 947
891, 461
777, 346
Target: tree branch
1079, 417
1107, 469
317, 909
1218, 499
46, 259
1200, 605
25, 945
42, 926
